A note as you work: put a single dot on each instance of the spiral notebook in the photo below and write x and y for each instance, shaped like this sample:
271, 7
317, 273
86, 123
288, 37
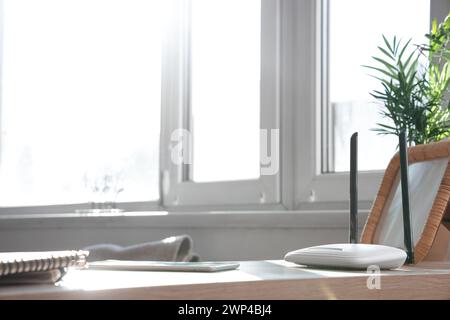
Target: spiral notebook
38, 267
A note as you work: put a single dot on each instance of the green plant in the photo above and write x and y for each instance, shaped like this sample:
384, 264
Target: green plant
413, 94
439, 60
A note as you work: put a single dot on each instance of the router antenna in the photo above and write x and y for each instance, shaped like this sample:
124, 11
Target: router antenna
354, 188
407, 232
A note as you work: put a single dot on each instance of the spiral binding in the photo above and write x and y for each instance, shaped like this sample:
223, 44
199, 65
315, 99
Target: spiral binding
21, 262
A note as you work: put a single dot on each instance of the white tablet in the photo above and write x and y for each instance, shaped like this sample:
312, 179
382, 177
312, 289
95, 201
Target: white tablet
162, 266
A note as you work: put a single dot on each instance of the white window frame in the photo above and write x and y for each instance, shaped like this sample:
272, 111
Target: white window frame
179, 192
314, 188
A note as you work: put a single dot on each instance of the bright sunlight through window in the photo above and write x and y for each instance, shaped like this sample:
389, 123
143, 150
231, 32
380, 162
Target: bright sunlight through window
225, 84
80, 101
355, 30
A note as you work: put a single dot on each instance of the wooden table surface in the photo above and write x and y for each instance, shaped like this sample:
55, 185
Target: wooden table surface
253, 280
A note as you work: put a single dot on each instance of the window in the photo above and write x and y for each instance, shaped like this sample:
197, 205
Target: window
94, 90
354, 32
118, 91
228, 109
81, 97
334, 39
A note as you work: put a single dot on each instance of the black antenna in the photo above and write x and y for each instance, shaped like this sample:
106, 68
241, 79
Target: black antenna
354, 188
407, 232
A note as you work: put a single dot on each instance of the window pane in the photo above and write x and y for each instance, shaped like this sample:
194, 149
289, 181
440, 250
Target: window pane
225, 84
355, 30
80, 100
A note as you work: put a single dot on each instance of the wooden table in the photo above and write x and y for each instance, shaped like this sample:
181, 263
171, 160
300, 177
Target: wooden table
253, 280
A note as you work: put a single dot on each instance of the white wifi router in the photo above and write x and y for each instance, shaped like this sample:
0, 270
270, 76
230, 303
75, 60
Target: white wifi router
349, 256
352, 255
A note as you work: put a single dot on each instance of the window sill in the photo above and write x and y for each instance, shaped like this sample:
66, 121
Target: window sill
311, 219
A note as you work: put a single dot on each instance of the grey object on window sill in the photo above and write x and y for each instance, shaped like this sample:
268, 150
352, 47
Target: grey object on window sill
177, 248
